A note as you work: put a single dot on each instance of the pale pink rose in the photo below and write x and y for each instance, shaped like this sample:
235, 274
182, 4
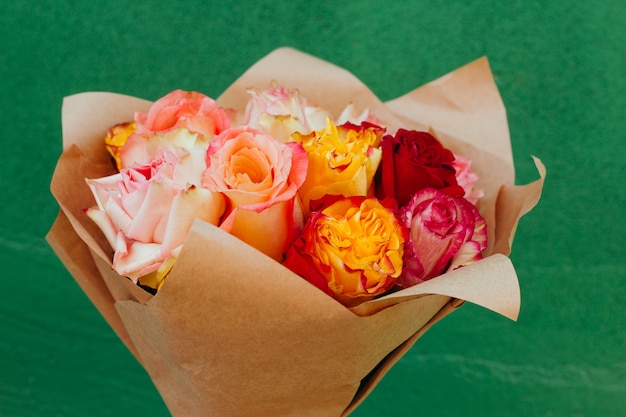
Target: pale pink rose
146, 211
142, 150
466, 178
280, 112
260, 177
445, 233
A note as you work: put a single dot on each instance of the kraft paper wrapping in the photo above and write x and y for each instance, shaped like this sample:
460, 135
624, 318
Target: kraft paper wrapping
234, 333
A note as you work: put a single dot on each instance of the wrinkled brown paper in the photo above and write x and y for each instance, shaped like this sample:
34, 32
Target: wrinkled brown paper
232, 333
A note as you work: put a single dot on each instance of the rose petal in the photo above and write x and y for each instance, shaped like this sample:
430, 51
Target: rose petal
270, 230
193, 203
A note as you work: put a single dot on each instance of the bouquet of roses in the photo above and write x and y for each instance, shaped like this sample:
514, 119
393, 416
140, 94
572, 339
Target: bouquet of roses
212, 218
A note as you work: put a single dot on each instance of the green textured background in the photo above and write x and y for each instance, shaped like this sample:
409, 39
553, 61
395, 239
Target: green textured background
560, 67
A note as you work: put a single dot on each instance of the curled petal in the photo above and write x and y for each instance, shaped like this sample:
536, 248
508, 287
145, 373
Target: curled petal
193, 203
102, 220
135, 259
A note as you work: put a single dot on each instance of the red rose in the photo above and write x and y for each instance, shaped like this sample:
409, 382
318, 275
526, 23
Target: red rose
413, 161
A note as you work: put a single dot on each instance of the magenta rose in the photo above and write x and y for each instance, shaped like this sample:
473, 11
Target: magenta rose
413, 161
445, 232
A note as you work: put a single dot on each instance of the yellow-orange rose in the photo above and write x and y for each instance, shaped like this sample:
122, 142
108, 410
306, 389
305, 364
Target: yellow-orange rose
352, 250
116, 138
342, 161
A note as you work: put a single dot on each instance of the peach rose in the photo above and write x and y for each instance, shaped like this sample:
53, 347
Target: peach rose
260, 177
145, 213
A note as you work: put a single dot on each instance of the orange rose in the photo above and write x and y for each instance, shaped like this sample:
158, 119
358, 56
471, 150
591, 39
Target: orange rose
351, 250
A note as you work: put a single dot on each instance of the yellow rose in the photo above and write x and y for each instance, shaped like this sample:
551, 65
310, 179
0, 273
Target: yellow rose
352, 250
116, 138
342, 161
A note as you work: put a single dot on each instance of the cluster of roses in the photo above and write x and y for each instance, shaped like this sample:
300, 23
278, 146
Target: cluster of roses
353, 210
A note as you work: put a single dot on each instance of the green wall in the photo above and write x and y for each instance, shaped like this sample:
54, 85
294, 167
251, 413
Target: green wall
560, 67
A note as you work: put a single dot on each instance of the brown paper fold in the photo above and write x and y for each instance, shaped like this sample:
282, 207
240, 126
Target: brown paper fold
232, 332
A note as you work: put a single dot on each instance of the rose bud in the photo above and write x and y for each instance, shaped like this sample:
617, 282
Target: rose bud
445, 233
146, 211
351, 250
260, 177
413, 161
342, 161
280, 112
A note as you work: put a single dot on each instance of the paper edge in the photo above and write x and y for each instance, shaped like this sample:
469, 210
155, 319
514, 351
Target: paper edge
100, 297
369, 383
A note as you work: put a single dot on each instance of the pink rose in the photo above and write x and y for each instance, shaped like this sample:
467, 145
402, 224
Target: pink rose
183, 109
445, 233
146, 211
182, 118
466, 178
260, 177
280, 112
